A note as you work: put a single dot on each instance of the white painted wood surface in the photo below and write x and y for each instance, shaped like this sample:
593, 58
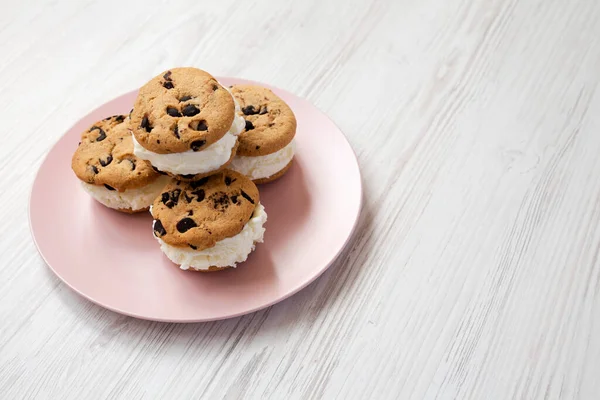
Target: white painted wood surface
475, 271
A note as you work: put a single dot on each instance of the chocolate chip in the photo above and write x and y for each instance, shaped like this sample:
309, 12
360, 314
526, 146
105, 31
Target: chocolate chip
107, 118
168, 85
199, 194
220, 200
190, 212
185, 225
188, 176
249, 126
192, 246
202, 126
229, 181
132, 164
234, 199
271, 124
164, 197
158, 170
167, 76
101, 135
109, 187
108, 160
130, 113
190, 110
257, 147
185, 98
263, 110
145, 124
173, 112
199, 182
197, 144
158, 228
175, 196
157, 141
119, 118
215, 87
247, 197
94, 169
176, 131
249, 110
187, 198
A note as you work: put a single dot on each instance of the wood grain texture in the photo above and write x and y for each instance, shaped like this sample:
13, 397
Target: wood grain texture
475, 270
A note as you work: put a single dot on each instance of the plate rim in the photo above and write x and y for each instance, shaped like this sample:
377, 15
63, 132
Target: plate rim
292, 292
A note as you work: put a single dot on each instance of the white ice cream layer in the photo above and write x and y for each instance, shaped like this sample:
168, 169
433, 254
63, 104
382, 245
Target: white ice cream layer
227, 252
195, 162
264, 166
135, 199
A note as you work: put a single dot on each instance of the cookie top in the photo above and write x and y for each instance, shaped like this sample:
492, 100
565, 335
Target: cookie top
198, 214
270, 123
105, 157
181, 109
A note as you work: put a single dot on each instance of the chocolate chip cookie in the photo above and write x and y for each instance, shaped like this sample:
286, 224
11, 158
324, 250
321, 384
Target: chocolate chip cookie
266, 145
200, 213
110, 172
181, 109
105, 157
270, 123
209, 224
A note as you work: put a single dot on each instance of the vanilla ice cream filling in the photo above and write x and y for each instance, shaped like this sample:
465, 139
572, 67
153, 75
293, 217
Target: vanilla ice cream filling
134, 199
195, 162
226, 252
264, 166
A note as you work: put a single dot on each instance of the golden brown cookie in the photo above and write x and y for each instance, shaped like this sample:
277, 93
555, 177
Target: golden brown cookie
105, 157
181, 109
270, 123
201, 213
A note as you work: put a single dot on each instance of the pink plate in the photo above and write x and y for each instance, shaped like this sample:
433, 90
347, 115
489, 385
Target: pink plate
113, 259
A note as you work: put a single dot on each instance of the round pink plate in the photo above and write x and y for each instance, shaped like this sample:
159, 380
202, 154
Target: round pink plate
113, 259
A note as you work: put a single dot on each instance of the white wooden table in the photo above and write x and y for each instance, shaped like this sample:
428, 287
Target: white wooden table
475, 270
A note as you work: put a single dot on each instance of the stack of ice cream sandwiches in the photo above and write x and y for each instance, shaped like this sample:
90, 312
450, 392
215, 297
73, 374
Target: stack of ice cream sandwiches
192, 152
